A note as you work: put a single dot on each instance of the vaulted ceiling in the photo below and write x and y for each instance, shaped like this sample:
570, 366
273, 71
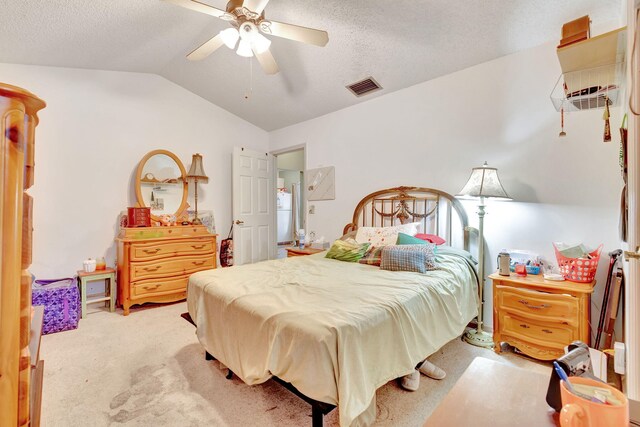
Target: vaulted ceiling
400, 43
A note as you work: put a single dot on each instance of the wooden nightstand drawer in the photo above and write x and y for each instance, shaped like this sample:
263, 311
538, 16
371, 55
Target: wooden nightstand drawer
538, 305
539, 317
545, 334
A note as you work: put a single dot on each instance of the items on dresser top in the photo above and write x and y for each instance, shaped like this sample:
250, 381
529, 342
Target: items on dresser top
138, 217
154, 263
540, 317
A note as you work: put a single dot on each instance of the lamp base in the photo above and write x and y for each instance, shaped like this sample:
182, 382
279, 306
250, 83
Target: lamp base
196, 221
479, 339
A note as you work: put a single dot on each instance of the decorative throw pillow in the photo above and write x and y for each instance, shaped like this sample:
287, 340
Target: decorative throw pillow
437, 240
347, 250
373, 256
382, 236
403, 258
426, 248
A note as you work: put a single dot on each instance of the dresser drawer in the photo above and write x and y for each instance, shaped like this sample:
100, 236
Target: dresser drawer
170, 267
154, 250
147, 288
546, 334
538, 305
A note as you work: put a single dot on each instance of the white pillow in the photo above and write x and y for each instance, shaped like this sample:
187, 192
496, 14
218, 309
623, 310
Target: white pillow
383, 236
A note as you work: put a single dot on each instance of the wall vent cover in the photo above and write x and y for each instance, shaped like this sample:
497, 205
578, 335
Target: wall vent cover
364, 86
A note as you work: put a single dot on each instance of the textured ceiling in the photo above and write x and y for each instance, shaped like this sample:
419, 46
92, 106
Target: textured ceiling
400, 43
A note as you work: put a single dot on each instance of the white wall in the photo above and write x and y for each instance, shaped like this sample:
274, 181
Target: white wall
432, 134
95, 129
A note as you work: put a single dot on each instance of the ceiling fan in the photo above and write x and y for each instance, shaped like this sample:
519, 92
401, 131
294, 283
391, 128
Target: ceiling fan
247, 22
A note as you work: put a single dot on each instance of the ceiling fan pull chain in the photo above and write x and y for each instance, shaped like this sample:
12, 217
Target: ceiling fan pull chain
248, 94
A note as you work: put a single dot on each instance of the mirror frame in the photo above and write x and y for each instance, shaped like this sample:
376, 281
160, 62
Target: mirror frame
183, 172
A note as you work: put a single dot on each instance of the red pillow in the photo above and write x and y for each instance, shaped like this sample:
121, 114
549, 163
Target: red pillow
432, 238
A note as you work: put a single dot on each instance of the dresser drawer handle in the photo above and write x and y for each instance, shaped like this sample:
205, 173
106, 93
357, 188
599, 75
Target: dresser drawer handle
151, 251
198, 263
546, 331
156, 268
151, 288
197, 246
522, 325
533, 307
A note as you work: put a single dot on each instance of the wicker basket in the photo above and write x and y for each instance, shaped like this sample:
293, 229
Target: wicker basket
582, 270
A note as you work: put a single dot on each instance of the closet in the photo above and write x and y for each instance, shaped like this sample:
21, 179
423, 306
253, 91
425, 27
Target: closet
20, 369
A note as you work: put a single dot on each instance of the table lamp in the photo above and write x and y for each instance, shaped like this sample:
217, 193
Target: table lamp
483, 183
196, 173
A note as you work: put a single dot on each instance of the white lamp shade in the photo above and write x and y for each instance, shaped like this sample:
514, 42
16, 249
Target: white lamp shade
244, 49
230, 37
484, 182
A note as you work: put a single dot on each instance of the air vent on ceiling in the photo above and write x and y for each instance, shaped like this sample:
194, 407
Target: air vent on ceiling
364, 87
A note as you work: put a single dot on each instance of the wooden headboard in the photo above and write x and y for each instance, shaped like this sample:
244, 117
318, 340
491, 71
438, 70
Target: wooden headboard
439, 213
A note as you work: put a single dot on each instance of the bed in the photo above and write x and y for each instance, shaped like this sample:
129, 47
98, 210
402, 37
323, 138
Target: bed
334, 331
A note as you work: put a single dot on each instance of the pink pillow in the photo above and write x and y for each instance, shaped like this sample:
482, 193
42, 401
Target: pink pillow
432, 238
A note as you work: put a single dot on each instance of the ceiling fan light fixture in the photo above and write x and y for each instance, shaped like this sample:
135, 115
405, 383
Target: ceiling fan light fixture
244, 49
230, 37
261, 43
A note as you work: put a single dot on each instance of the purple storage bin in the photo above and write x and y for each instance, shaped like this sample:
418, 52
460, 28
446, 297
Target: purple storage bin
61, 301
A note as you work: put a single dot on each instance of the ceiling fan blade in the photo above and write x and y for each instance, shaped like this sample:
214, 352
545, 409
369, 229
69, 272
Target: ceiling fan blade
256, 6
294, 32
206, 48
266, 60
200, 7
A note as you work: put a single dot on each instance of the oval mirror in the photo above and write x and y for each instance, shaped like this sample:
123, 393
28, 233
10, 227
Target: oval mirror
161, 183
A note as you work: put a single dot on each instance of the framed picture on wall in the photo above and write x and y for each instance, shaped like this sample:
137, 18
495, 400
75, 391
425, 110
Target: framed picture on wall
321, 183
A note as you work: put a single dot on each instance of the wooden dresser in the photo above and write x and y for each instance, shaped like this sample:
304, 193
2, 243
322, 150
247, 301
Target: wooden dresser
18, 120
540, 317
154, 263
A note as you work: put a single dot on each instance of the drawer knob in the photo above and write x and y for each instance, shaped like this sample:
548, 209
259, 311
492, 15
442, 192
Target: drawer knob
156, 268
197, 246
151, 251
198, 262
546, 331
533, 307
150, 288
522, 325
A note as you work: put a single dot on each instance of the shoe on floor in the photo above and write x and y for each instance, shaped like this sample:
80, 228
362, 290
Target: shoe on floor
410, 382
432, 371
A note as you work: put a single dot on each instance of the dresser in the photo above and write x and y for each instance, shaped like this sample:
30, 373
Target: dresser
154, 263
540, 317
20, 370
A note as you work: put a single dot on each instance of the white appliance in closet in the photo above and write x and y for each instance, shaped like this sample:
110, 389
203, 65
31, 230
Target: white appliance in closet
284, 216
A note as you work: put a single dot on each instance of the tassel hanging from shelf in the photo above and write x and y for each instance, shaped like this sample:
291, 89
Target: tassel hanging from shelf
562, 132
607, 125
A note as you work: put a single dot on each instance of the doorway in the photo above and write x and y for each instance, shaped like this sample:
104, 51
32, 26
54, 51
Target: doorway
290, 198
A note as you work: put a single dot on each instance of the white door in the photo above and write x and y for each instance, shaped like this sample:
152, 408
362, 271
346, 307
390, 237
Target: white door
632, 266
253, 206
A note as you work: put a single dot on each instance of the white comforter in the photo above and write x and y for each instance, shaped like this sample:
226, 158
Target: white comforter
335, 330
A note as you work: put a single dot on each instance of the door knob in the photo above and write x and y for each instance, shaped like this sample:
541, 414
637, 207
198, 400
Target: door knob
238, 222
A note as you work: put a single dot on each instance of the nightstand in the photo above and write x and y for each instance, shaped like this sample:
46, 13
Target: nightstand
540, 317
294, 251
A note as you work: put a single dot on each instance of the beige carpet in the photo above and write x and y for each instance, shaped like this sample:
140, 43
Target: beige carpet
148, 369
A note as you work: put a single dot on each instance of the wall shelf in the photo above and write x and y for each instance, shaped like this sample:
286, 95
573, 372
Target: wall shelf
592, 72
605, 49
